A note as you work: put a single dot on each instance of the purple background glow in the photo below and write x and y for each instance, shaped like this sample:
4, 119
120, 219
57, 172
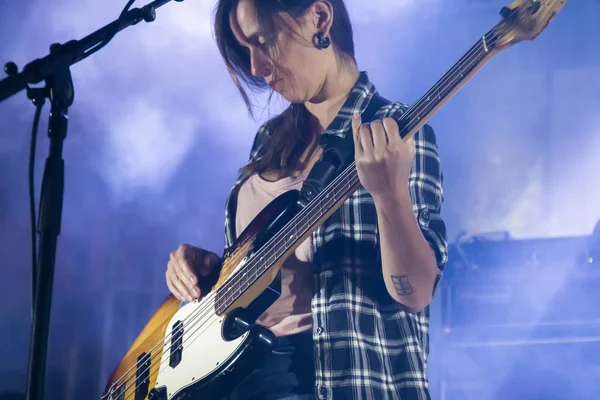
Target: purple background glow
158, 131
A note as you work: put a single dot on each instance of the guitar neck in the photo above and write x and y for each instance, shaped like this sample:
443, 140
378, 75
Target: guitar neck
456, 77
326, 202
333, 196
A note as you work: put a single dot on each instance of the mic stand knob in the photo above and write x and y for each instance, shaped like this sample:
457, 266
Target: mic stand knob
11, 69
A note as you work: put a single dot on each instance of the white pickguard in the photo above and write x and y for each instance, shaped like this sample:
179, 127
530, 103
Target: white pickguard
204, 349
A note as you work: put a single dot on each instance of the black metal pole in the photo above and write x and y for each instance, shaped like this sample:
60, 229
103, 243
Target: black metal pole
50, 215
54, 71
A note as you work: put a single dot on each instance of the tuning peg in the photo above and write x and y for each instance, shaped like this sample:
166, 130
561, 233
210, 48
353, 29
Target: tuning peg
534, 6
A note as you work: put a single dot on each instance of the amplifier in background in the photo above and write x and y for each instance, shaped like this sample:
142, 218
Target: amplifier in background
520, 291
559, 371
499, 251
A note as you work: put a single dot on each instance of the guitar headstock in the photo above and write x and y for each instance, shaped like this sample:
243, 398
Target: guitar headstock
526, 19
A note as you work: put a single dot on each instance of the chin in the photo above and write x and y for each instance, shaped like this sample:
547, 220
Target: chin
291, 95
295, 100
291, 98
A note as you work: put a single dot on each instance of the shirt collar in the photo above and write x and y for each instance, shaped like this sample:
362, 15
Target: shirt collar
357, 101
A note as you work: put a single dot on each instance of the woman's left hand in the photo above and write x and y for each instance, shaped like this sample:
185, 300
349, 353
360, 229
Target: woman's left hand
383, 158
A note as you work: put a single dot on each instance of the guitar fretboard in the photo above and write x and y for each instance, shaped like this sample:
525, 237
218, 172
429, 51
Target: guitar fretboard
452, 79
347, 182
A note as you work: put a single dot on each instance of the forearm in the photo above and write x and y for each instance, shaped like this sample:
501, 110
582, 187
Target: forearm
408, 263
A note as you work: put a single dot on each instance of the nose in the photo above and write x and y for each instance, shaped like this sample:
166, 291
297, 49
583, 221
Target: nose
260, 64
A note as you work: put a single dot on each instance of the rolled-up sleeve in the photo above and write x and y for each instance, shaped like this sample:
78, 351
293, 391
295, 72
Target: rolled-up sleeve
427, 194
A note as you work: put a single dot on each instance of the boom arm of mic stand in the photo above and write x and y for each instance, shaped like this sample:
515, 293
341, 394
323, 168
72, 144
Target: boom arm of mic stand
54, 70
72, 51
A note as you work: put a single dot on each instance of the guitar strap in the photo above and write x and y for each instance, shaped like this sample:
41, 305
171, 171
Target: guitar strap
337, 154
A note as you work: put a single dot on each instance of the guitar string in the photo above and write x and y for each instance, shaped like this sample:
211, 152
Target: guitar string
281, 237
203, 308
192, 335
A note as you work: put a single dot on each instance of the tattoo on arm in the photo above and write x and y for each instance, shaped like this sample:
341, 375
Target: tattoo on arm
402, 285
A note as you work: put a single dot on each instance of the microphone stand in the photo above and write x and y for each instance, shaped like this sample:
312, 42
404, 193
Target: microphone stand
54, 70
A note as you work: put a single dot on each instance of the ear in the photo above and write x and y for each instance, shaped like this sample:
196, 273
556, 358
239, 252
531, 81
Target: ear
322, 16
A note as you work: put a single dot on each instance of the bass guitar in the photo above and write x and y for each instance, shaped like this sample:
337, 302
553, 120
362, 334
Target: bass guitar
202, 349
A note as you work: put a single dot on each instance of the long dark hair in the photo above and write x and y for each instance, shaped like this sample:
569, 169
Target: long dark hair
289, 131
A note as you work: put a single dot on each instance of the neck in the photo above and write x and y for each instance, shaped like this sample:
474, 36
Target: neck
333, 93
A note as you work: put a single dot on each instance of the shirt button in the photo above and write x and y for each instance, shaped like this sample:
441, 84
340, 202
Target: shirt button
322, 392
319, 330
424, 218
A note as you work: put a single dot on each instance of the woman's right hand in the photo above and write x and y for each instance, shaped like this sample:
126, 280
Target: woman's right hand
187, 267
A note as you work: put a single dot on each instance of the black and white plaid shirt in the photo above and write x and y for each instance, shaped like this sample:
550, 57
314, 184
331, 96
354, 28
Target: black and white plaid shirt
366, 346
